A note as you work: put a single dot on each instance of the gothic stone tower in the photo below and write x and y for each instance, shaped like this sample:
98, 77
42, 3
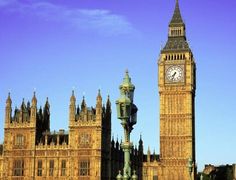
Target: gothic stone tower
177, 98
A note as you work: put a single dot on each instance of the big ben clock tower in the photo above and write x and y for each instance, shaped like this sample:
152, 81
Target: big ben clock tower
176, 82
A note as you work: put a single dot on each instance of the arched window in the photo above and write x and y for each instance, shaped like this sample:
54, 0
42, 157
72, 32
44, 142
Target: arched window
19, 140
18, 168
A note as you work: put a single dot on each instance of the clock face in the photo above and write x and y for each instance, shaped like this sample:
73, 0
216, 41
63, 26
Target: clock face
174, 74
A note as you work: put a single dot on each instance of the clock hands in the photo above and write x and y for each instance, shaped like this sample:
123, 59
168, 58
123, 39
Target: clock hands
173, 75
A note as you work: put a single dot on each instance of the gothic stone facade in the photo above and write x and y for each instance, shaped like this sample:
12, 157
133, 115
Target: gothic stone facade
86, 152
31, 151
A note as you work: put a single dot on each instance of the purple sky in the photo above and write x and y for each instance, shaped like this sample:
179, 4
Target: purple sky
55, 46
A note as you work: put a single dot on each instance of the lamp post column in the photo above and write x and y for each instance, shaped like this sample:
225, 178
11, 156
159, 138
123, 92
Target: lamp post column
127, 113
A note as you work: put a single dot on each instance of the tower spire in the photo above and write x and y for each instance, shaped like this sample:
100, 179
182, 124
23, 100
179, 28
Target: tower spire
99, 97
8, 110
34, 99
72, 98
8, 101
176, 18
83, 104
176, 36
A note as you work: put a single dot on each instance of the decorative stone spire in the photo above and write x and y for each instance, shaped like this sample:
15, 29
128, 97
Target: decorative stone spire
176, 36
99, 97
99, 107
108, 105
117, 144
8, 110
33, 109
28, 105
47, 105
8, 101
46, 116
140, 147
83, 104
23, 106
99, 100
40, 113
148, 154
176, 18
108, 101
34, 99
112, 142
72, 108
72, 98
154, 155
78, 110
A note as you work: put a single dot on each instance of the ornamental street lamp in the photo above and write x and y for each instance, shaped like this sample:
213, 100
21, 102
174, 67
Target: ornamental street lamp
190, 167
127, 113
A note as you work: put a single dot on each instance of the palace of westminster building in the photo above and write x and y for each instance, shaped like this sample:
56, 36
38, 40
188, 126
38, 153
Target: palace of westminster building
87, 150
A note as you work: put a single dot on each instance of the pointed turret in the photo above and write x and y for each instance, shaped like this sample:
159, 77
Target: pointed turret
33, 109
112, 142
108, 105
40, 112
47, 105
99, 107
34, 100
99, 100
23, 106
148, 154
72, 108
28, 105
8, 109
140, 147
99, 97
46, 109
8, 101
108, 114
117, 144
83, 104
154, 156
77, 110
72, 98
24, 112
46, 116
